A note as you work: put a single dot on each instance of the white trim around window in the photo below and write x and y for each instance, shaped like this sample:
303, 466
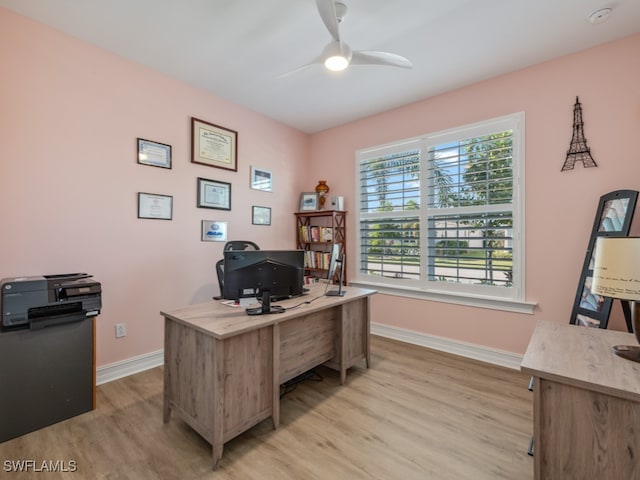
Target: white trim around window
441, 216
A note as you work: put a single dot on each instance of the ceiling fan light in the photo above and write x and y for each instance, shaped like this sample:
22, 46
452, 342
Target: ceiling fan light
336, 63
337, 56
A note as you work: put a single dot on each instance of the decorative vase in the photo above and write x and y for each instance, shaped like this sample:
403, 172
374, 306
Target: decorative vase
322, 189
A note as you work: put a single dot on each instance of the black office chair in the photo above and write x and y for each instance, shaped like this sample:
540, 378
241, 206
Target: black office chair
232, 245
240, 245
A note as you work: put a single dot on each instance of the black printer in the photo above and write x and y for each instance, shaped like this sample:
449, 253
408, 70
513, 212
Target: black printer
37, 302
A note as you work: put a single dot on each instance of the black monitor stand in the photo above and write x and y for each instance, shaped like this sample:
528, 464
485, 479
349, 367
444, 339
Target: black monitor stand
339, 292
266, 307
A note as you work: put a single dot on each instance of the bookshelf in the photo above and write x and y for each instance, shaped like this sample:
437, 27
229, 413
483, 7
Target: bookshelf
316, 233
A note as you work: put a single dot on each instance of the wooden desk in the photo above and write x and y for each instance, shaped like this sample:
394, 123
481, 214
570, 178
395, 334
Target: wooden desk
586, 403
223, 368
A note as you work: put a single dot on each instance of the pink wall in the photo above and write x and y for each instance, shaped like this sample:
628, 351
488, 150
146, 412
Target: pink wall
70, 115
69, 118
560, 207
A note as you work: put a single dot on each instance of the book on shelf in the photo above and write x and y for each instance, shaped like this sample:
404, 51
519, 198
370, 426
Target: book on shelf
326, 234
317, 259
315, 234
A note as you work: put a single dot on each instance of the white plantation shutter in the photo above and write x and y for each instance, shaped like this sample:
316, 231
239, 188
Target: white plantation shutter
444, 212
469, 214
389, 213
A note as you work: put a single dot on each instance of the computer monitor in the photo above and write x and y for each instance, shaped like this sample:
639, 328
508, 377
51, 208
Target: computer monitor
337, 261
268, 275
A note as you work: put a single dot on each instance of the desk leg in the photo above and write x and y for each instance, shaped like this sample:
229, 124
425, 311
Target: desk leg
217, 455
275, 407
217, 429
367, 331
343, 346
166, 409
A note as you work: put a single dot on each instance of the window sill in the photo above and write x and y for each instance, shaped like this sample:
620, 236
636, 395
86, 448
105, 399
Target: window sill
456, 299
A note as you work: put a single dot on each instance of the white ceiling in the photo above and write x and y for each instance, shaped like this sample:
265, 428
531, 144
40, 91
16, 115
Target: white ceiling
237, 48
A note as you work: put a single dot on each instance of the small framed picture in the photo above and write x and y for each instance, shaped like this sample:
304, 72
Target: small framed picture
308, 201
261, 179
214, 145
214, 194
261, 215
614, 214
154, 154
158, 207
214, 231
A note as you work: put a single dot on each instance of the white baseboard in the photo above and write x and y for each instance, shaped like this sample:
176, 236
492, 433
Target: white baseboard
469, 350
129, 366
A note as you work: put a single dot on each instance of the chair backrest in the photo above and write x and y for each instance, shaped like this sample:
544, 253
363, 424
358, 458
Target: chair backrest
240, 245
220, 273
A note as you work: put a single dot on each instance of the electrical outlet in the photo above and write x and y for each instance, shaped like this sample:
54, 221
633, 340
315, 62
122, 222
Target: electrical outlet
121, 330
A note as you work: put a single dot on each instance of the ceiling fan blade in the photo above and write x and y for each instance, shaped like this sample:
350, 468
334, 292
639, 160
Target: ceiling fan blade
327, 10
337, 55
379, 58
300, 68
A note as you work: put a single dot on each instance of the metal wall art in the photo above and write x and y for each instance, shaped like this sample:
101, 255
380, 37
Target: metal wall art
578, 149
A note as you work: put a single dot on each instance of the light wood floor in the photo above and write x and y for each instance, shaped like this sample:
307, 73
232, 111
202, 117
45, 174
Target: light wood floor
416, 414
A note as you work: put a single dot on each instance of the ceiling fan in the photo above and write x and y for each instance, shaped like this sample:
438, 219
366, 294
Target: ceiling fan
337, 55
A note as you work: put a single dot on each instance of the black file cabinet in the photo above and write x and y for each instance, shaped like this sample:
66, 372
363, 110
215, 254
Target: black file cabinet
46, 376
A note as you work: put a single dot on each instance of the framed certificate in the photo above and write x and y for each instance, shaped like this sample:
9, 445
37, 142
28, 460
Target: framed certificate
158, 207
154, 154
261, 215
214, 194
261, 179
214, 145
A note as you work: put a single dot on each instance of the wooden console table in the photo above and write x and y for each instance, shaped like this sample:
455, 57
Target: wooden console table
223, 368
586, 411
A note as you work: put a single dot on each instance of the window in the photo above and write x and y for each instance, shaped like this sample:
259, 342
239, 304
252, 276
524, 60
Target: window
443, 213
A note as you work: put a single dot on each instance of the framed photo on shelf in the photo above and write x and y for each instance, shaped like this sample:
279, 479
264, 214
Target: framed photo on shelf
261, 179
214, 145
214, 231
261, 215
308, 201
157, 207
214, 194
154, 154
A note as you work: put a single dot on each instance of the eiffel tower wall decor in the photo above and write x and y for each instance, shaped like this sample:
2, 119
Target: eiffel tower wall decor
578, 149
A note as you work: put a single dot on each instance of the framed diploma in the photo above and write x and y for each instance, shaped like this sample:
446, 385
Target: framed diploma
261, 215
159, 207
154, 153
214, 194
214, 145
